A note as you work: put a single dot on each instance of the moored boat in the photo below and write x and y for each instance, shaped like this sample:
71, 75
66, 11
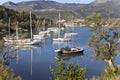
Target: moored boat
68, 50
16, 40
69, 56
61, 39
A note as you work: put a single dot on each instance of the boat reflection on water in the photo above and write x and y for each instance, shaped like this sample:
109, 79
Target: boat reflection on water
21, 47
69, 56
11, 52
26, 47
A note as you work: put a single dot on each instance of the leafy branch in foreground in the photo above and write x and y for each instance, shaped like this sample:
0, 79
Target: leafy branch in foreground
109, 74
105, 43
70, 72
6, 73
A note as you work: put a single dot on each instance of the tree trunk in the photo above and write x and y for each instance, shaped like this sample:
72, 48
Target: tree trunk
112, 67
110, 64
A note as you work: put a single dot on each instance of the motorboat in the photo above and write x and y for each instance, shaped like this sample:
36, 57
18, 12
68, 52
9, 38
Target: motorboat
68, 50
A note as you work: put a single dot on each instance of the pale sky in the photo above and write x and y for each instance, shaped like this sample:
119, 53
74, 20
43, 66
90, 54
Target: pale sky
63, 1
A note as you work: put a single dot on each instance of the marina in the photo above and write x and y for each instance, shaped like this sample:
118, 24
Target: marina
34, 63
59, 40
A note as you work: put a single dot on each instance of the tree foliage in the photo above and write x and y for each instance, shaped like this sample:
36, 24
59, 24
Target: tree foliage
94, 19
67, 73
1, 45
6, 73
104, 41
22, 18
109, 74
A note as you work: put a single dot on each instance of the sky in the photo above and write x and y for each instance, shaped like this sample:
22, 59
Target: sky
63, 1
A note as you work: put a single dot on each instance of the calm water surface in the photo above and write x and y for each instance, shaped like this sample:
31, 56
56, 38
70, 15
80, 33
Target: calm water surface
34, 63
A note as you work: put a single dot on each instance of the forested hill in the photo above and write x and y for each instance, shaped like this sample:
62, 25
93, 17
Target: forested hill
49, 9
5, 13
23, 20
108, 8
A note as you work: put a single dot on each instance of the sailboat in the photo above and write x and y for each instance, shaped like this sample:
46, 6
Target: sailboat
71, 33
42, 35
59, 38
70, 50
16, 40
32, 41
12, 38
8, 37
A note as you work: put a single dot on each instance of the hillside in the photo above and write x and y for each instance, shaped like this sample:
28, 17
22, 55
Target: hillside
46, 8
53, 14
50, 9
22, 18
38, 5
108, 8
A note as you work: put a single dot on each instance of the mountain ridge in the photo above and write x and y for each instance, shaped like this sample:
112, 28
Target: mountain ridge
45, 4
108, 8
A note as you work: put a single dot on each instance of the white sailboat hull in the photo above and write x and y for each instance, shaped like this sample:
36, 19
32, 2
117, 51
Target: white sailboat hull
16, 40
22, 41
61, 39
70, 34
33, 42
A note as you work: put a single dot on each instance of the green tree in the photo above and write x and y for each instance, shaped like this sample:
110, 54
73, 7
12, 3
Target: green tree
6, 73
23, 18
104, 42
67, 73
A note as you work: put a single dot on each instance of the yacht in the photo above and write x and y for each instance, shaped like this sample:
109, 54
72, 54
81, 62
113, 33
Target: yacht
16, 40
60, 38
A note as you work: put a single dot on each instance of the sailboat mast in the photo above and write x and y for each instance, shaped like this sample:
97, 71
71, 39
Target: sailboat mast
31, 25
72, 29
59, 25
72, 21
44, 25
17, 31
9, 26
59, 20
